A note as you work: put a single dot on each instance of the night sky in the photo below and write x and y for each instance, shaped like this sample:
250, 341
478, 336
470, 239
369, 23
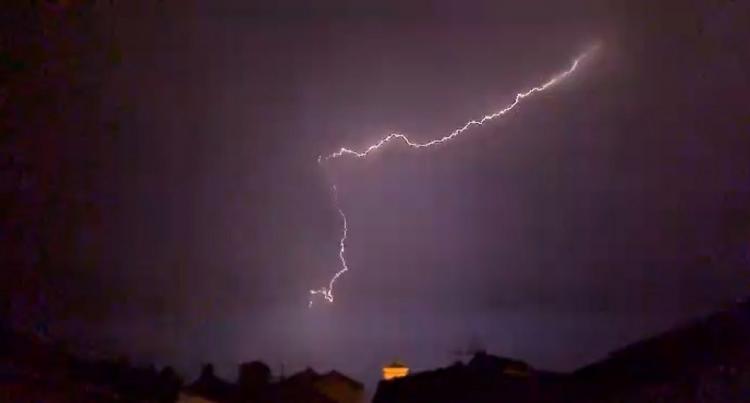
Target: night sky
161, 197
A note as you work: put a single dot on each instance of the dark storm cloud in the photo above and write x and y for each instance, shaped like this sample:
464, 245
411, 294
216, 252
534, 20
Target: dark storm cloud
184, 217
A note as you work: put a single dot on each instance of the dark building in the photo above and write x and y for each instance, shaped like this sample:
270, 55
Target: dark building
706, 361
485, 378
32, 369
212, 388
254, 385
332, 387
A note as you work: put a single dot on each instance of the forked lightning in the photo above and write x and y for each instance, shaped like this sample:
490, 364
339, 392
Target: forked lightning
327, 291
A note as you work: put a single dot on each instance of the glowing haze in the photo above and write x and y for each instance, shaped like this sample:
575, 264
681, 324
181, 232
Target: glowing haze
327, 291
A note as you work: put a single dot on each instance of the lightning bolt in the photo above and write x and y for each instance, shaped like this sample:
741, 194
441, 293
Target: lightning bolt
327, 292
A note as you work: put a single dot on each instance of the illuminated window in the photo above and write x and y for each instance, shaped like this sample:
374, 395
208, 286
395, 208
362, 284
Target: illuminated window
395, 370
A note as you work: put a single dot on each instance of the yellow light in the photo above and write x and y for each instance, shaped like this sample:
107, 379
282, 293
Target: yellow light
395, 370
